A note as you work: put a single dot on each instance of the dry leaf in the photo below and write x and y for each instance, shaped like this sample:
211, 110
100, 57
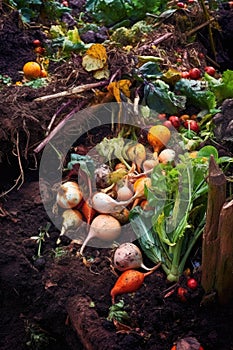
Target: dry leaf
98, 51
90, 63
116, 87
102, 73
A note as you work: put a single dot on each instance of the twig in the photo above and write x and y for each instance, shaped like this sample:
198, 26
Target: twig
207, 16
196, 29
55, 116
76, 90
162, 38
58, 127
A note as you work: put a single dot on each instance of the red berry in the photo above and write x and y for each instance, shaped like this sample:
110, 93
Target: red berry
195, 73
36, 42
185, 75
180, 4
175, 121
192, 125
210, 70
181, 293
168, 124
201, 55
192, 283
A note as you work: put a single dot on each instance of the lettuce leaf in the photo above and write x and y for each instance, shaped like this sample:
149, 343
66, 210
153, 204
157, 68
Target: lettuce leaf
222, 87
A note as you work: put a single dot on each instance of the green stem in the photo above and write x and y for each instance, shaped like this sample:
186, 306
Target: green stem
174, 271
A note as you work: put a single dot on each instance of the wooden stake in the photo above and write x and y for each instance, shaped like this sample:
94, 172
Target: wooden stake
211, 244
224, 270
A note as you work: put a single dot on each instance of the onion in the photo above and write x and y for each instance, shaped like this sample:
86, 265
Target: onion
104, 204
69, 195
149, 165
128, 256
71, 219
104, 227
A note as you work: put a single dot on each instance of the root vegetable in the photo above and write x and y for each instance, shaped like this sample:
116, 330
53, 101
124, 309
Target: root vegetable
69, 195
129, 281
149, 164
104, 204
71, 219
128, 256
137, 154
158, 137
167, 156
88, 212
124, 193
104, 227
139, 186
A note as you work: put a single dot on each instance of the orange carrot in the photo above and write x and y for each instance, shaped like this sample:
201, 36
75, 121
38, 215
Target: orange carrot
129, 281
88, 212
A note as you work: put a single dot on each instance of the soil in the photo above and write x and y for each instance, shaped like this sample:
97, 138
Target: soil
56, 301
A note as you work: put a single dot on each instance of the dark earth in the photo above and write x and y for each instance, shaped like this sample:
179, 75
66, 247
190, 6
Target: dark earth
56, 301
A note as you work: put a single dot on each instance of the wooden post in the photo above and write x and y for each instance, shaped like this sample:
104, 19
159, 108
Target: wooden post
224, 270
211, 244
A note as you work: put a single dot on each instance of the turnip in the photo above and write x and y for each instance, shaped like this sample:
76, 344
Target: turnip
167, 156
128, 256
69, 195
104, 204
71, 219
104, 227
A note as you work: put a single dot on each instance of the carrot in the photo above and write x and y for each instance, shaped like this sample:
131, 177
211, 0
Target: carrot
129, 281
88, 212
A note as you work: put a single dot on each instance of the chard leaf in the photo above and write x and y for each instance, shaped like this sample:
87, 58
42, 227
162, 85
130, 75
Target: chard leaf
159, 98
150, 70
196, 93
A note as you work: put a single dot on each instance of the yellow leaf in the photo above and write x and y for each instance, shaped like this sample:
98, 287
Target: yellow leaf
98, 51
91, 63
102, 73
116, 87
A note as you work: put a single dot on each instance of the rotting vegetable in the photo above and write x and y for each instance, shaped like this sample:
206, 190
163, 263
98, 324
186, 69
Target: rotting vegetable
129, 282
158, 137
105, 204
128, 256
167, 156
71, 219
105, 227
69, 195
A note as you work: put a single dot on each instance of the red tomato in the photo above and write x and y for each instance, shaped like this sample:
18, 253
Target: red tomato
210, 70
192, 125
191, 1
168, 124
185, 75
195, 73
175, 121
201, 55
181, 292
36, 42
192, 283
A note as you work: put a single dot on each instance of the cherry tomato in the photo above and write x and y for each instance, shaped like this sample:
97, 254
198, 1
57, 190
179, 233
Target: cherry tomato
192, 283
175, 121
168, 124
192, 125
185, 75
65, 3
36, 42
195, 73
210, 70
181, 293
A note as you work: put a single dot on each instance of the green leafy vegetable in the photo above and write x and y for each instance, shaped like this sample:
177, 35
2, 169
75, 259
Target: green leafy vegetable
111, 148
110, 12
179, 196
222, 87
86, 163
150, 70
159, 98
117, 312
196, 93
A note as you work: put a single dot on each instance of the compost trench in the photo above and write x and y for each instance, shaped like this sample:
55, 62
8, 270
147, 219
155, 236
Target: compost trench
58, 302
